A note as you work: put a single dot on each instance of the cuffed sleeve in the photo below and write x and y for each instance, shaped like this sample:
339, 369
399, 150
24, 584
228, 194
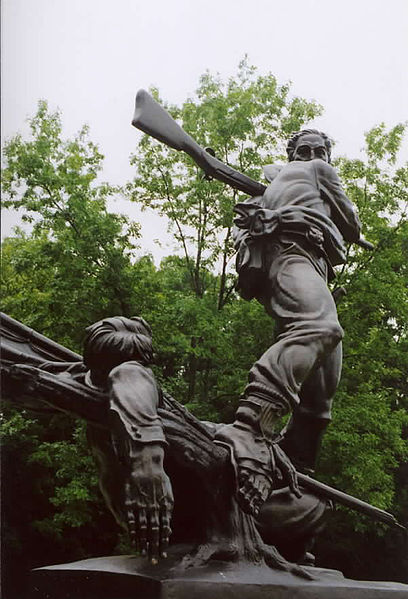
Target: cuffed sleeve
134, 398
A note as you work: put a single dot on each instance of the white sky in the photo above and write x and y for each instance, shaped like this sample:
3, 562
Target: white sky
89, 57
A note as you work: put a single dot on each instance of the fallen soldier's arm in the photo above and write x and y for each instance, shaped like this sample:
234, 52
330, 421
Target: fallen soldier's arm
139, 443
130, 445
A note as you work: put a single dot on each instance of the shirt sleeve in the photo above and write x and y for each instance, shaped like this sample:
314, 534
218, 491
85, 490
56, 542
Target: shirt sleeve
134, 397
343, 211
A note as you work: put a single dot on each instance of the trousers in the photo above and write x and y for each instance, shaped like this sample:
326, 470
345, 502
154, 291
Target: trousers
301, 370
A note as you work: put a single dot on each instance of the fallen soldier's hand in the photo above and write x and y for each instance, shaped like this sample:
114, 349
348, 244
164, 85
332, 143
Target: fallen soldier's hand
254, 488
260, 465
149, 502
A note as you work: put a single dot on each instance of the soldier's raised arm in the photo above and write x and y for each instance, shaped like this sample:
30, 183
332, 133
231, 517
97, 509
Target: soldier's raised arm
343, 212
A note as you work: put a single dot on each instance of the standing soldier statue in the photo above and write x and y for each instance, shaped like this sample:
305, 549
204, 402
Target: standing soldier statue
288, 241
288, 237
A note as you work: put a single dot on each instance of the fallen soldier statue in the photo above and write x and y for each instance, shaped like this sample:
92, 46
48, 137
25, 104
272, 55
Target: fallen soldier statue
161, 469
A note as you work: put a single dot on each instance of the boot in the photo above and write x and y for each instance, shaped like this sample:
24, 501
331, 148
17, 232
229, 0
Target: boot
261, 415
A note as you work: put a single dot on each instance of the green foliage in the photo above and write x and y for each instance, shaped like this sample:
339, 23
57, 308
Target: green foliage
202, 353
67, 473
75, 481
51, 510
366, 448
72, 269
75, 266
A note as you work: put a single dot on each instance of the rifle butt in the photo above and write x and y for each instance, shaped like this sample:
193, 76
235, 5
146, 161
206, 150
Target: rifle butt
153, 119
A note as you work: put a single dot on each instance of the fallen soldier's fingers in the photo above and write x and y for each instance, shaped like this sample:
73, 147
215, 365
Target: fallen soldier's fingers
154, 535
131, 524
130, 515
242, 499
143, 541
262, 489
248, 493
255, 505
165, 531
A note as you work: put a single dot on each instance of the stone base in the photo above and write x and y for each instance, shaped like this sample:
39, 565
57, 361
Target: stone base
130, 577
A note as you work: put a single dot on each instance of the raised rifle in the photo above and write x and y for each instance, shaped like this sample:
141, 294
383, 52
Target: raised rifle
153, 119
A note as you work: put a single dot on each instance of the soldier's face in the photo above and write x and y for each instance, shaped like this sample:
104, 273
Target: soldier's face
310, 146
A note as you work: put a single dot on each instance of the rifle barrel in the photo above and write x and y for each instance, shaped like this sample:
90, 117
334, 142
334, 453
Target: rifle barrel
349, 501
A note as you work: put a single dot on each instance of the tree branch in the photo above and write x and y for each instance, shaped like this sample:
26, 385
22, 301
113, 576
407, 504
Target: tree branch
175, 219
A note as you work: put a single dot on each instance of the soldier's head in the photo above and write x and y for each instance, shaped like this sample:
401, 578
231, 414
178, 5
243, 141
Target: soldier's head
112, 341
308, 144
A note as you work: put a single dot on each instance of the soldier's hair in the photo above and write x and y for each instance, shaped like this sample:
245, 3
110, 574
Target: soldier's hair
112, 341
293, 140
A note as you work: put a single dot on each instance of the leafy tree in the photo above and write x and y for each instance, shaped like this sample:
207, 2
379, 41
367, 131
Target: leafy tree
76, 264
366, 449
203, 354
72, 269
51, 509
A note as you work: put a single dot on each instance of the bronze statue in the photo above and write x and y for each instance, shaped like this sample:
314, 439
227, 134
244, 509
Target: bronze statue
134, 429
288, 241
148, 447
239, 491
288, 238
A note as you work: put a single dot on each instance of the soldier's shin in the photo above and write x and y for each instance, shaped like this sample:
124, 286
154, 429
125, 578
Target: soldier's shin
301, 439
261, 414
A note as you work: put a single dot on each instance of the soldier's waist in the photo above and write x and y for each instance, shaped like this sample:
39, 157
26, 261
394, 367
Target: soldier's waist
310, 235
308, 242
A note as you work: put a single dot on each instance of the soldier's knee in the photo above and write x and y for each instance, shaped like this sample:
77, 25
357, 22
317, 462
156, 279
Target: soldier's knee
332, 333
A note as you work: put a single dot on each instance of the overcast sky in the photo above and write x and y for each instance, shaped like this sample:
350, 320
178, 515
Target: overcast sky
89, 57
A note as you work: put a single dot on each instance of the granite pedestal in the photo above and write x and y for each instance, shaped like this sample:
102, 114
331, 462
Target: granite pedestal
130, 577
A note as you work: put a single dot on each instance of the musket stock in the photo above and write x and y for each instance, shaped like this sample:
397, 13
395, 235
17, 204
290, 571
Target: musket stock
153, 119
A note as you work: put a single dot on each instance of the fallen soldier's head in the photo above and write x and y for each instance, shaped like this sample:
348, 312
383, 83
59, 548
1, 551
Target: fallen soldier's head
112, 341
